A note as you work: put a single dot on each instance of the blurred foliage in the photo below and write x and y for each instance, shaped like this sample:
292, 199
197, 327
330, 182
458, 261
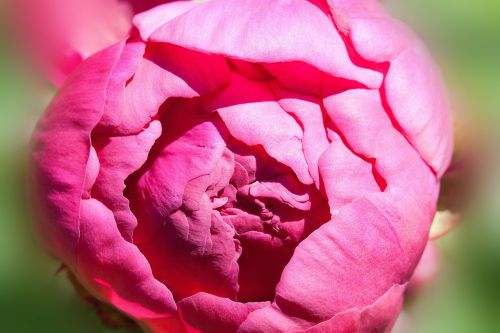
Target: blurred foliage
465, 37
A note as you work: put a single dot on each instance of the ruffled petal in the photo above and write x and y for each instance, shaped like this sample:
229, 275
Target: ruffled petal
346, 176
375, 138
211, 314
347, 263
148, 76
189, 148
252, 116
413, 88
120, 157
114, 269
60, 34
195, 251
395, 161
308, 113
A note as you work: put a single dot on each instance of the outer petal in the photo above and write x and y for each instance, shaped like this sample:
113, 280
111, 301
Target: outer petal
276, 35
359, 255
115, 269
395, 161
61, 146
413, 87
427, 268
416, 96
377, 317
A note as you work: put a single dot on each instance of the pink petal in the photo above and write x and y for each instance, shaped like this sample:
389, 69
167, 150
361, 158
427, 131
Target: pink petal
349, 262
415, 93
308, 112
346, 176
427, 268
261, 263
142, 85
252, 115
413, 87
276, 35
378, 39
342, 10
91, 173
377, 317
195, 251
120, 157
211, 314
395, 160
271, 319
147, 22
189, 148
115, 269
61, 146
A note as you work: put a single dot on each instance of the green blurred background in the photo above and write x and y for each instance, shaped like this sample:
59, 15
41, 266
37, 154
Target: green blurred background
464, 35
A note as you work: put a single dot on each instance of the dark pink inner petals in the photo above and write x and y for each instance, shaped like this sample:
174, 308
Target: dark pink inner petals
263, 258
213, 204
195, 251
190, 147
271, 211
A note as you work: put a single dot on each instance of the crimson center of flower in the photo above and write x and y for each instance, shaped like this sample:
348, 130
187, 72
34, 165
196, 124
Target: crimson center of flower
214, 214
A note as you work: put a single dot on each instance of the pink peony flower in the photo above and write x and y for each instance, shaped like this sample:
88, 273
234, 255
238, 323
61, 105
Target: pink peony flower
59, 34
247, 166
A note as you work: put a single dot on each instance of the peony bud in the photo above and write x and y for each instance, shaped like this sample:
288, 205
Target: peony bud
247, 166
